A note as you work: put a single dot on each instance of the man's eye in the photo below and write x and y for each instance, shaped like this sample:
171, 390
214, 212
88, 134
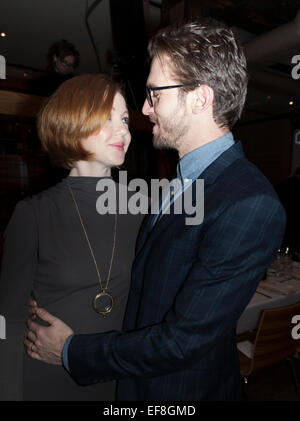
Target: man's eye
125, 120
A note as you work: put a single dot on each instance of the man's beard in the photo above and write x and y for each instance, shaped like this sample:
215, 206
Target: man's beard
170, 133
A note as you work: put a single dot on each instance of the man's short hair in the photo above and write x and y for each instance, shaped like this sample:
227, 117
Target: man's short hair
206, 52
78, 109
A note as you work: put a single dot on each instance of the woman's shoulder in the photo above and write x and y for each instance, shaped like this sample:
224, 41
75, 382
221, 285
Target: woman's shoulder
29, 211
45, 199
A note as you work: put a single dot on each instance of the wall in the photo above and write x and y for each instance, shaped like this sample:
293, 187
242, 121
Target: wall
268, 145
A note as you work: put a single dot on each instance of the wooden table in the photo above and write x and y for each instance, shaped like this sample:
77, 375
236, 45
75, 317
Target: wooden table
265, 298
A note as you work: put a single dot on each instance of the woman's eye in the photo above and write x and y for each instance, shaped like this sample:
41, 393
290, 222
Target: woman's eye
125, 120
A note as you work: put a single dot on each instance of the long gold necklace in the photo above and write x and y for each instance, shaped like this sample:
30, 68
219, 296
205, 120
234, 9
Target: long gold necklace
103, 302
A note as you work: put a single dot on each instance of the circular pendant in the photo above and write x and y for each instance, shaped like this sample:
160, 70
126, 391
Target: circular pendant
103, 303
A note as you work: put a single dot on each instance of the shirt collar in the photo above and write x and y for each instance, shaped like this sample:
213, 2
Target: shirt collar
195, 162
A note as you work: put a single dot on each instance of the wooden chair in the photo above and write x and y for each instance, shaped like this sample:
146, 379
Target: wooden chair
272, 343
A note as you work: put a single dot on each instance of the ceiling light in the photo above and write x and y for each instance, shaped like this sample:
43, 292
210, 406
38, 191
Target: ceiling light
3, 34
291, 103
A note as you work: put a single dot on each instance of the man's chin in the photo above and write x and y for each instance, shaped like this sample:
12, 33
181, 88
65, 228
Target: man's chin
161, 143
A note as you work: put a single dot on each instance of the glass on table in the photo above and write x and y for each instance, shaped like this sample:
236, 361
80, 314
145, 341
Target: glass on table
276, 267
287, 269
281, 267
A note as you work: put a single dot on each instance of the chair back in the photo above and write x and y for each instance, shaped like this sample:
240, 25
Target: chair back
274, 341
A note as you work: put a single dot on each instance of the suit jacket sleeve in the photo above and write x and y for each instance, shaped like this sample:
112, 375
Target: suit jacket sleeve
17, 271
232, 257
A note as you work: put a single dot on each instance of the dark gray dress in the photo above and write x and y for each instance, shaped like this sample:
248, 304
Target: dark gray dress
46, 254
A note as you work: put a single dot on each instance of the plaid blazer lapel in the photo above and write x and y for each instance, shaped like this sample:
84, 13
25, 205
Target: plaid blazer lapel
151, 230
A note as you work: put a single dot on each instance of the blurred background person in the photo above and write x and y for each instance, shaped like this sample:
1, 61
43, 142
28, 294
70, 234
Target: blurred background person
63, 59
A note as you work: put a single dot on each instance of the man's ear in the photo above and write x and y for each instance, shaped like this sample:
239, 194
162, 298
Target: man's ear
203, 97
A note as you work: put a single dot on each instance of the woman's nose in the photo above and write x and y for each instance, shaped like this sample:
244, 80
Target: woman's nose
122, 128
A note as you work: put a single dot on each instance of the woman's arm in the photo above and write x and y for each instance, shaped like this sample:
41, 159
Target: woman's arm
16, 280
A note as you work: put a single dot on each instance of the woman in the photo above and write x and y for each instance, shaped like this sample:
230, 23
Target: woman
75, 262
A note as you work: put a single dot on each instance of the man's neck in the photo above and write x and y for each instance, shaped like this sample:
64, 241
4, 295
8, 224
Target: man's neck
198, 139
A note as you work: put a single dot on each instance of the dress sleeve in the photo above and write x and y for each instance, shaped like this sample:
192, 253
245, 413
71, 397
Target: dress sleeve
17, 272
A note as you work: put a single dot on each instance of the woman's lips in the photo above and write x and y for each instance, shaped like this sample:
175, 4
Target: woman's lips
118, 146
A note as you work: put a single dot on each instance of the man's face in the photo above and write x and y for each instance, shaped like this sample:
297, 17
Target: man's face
65, 65
168, 113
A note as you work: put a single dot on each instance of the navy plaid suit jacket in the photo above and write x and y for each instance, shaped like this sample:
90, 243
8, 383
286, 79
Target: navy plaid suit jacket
190, 284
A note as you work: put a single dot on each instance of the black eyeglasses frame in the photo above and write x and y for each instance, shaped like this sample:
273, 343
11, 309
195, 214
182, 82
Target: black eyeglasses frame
160, 88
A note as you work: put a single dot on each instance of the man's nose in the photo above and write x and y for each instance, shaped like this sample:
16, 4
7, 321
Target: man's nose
147, 109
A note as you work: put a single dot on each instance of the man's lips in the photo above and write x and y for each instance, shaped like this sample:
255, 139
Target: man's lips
155, 127
155, 123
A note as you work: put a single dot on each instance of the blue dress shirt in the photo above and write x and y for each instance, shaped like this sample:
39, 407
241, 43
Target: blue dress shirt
191, 166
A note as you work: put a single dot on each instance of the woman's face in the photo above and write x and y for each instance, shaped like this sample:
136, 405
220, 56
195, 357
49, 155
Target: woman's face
110, 145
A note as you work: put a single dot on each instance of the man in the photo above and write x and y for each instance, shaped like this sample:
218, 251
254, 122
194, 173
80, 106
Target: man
63, 58
190, 283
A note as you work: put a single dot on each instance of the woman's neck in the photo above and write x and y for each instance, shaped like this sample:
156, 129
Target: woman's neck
89, 169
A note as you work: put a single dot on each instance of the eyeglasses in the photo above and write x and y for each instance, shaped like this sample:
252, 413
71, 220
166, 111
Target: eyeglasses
160, 88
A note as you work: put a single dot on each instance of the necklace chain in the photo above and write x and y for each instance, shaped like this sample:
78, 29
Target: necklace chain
89, 244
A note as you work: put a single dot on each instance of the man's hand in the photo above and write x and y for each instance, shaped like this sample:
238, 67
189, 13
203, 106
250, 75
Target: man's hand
33, 306
45, 343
